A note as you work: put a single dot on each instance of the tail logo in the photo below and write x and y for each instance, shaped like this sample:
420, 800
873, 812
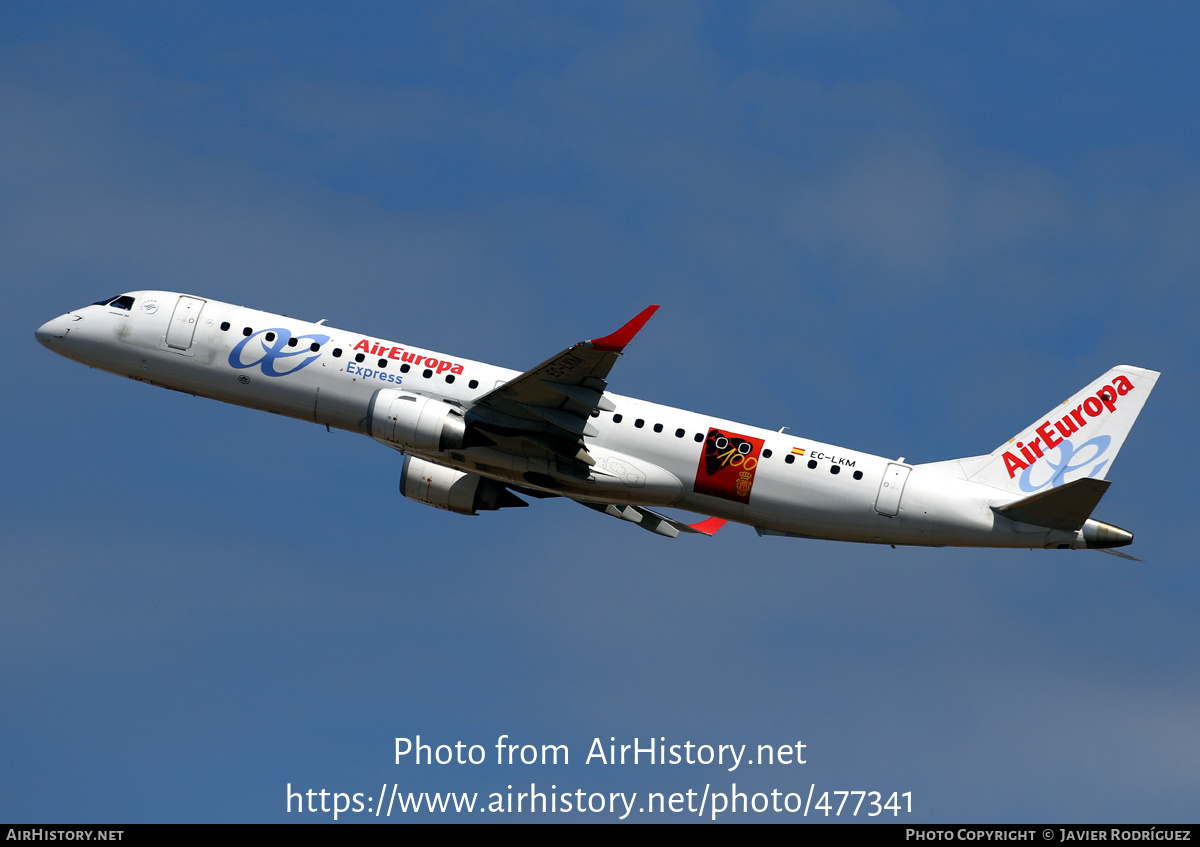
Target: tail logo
1094, 460
1052, 443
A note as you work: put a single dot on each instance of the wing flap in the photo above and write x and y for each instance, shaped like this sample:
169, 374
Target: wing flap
584, 396
576, 425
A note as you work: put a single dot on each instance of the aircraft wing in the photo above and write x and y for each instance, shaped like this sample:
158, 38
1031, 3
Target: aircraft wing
544, 412
653, 521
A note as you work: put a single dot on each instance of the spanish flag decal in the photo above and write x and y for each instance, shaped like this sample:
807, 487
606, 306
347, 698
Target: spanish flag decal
799, 451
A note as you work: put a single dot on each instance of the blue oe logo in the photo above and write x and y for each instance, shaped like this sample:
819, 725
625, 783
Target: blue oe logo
1058, 470
265, 354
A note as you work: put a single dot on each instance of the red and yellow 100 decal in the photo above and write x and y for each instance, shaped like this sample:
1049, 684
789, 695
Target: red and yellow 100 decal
728, 465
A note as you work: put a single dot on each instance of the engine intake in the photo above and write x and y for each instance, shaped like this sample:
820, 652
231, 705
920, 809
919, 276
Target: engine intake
453, 490
409, 421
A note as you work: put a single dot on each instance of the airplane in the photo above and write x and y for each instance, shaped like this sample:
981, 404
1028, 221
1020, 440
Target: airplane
476, 437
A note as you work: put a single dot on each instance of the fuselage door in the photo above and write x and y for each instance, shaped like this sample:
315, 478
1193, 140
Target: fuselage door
888, 501
183, 322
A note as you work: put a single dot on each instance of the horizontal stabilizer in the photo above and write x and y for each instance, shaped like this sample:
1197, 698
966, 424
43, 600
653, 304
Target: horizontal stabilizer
1118, 553
1065, 507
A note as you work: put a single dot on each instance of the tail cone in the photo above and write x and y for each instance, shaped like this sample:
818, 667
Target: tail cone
1096, 534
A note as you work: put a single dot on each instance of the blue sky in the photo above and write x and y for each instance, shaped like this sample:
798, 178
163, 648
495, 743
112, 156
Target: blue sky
905, 228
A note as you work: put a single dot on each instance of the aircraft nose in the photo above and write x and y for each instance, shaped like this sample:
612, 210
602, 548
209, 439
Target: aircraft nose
53, 330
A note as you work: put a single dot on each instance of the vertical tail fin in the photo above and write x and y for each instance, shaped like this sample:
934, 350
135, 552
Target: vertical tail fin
1077, 439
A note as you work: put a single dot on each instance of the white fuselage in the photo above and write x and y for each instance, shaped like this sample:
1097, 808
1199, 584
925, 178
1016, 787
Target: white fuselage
646, 454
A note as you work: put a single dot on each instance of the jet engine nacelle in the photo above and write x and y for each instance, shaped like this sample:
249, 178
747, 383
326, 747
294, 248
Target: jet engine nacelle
452, 490
410, 421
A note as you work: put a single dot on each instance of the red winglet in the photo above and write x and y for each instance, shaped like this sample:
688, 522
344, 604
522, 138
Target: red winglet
616, 342
710, 526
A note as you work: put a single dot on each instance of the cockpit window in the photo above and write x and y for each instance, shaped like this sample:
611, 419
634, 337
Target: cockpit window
123, 302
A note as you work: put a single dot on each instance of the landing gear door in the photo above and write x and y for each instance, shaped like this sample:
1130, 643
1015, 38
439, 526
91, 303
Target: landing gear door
888, 501
183, 323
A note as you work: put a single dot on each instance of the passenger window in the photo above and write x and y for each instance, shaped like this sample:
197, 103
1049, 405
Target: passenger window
835, 469
639, 423
359, 357
225, 326
314, 347
405, 368
679, 433
247, 331
270, 336
658, 427
699, 437
812, 464
789, 458
427, 373
858, 474
383, 363
337, 352
472, 384
618, 417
